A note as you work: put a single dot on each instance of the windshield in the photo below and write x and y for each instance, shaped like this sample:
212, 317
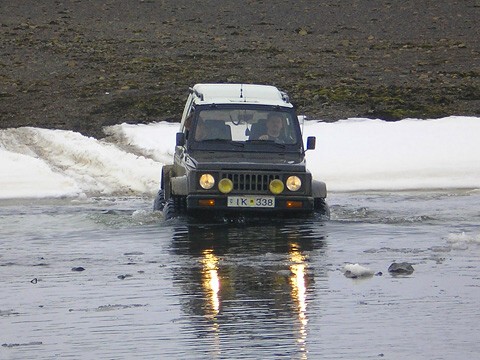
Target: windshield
246, 125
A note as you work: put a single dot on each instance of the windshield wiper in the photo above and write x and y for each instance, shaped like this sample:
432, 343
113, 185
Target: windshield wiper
235, 143
269, 142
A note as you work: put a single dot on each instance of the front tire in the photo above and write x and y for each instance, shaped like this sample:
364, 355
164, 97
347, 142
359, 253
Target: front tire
159, 202
321, 208
174, 207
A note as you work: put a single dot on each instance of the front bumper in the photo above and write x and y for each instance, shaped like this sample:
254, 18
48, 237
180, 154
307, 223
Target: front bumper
219, 203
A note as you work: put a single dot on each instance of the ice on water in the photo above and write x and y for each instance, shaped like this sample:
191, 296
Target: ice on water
357, 271
461, 241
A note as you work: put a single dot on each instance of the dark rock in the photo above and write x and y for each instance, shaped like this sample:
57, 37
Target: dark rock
123, 277
79, 268
138, 253
401, 268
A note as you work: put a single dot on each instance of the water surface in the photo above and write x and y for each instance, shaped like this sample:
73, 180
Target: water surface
255, 289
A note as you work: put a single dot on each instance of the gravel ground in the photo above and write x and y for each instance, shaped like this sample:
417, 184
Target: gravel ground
81, 65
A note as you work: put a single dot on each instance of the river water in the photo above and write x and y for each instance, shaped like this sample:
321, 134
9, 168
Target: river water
106, 278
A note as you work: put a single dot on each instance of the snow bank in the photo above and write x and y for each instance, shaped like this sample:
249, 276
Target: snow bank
46, 163
351, 155
362, 154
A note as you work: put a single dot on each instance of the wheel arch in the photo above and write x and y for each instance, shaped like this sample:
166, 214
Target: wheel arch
319, 189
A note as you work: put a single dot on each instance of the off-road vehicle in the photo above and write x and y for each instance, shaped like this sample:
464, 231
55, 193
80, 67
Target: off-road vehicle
239, 150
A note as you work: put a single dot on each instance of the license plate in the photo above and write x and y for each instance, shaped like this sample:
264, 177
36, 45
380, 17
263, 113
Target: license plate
251, 201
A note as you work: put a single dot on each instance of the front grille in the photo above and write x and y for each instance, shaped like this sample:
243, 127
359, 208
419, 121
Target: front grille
250, 182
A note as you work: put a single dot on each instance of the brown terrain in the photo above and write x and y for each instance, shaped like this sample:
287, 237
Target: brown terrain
81, 65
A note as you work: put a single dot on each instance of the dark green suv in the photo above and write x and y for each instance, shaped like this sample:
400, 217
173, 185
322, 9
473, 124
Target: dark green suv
239, 151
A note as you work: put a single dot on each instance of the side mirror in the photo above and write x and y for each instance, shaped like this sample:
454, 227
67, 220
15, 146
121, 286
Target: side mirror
311, 142
180, 138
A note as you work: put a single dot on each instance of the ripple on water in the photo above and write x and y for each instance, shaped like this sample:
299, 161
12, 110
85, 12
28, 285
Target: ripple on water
260, 289
109, 307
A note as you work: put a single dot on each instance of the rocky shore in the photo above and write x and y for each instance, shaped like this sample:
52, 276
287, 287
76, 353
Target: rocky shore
81, 65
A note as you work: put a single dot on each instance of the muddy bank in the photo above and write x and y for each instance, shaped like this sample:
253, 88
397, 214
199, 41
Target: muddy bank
82, 65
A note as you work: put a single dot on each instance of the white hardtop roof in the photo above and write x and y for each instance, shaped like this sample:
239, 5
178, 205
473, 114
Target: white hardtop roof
240, 93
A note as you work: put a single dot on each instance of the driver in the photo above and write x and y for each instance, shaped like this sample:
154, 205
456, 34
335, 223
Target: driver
274, 126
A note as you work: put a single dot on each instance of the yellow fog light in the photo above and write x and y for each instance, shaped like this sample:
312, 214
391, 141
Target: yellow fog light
276, 186
206, 181
294, 183
225, 185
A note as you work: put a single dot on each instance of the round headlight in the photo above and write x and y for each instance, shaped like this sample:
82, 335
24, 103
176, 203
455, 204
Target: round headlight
225, 185
206, 181
276, 186
294, 183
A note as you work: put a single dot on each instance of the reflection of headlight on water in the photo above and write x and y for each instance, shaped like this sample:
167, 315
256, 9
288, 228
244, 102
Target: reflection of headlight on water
299, 291
299, 288
215, 288
211, 281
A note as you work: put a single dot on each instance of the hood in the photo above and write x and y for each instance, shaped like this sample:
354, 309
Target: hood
215, 160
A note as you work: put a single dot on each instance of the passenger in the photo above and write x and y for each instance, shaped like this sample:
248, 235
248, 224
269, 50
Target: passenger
200, 131
212, 130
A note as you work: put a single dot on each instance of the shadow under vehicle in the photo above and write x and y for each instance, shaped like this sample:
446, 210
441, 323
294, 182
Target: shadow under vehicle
239, 151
